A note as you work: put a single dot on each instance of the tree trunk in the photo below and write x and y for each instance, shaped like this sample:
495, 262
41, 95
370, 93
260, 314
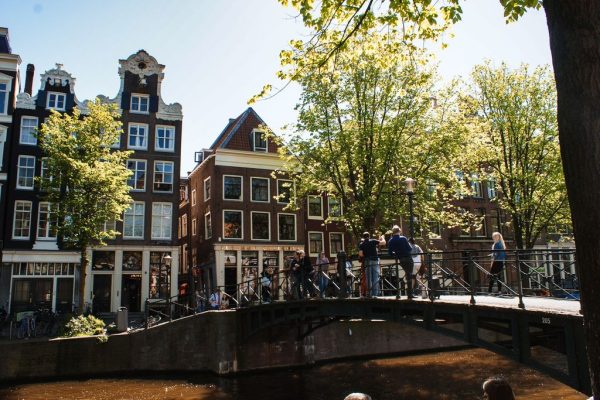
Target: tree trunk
575, 44
82, 276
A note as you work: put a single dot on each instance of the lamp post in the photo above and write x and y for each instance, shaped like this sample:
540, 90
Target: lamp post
410, 192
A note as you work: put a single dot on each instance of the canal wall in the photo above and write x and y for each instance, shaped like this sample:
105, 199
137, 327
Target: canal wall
211, 341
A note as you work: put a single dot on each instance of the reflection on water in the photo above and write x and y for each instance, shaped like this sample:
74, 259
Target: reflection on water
456, 375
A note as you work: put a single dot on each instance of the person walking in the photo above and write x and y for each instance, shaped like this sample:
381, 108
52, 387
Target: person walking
417, 258
497, 388
296, 276
307, 271
215, 299
498, 258
369, 250
399, 247
322, 271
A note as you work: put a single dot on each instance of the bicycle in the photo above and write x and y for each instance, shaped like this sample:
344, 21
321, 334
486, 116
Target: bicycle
26, 321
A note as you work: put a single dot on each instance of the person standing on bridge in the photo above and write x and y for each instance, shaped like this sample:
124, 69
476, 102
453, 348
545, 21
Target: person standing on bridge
369, 250
400, 248
215, 299
322, 268
498, 258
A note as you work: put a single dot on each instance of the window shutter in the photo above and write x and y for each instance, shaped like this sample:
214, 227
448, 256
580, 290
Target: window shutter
125, 101
41, 98
153, 104
70, 102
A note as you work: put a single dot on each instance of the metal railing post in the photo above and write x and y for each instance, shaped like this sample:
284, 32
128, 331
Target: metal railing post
397, 279
341, 257
147, 313
519, 283
471, 277
430, 276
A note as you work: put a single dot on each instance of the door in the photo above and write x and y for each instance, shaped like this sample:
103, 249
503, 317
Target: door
131, 292
231, 281
64, 295
101, 294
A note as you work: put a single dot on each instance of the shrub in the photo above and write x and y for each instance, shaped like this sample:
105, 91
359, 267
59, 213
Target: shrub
84, 326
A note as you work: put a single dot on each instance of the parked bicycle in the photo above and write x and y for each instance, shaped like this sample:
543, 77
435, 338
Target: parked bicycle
25, 325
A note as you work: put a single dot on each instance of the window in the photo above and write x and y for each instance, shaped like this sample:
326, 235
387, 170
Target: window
491, 189
481, 229
336, 243
56, 101
4, 88
109, 225
232, 224
315, 207
117, 143
137, 181
207, 189
165, 138
286, 227
163, 176
45, 170
476, 188
496, 221
139, 103
193, 226
435, 229
133, 221
193, 197
46, 221
260, 189
184, 225
334, 207
284, 191
207, 226
2, 142
25, 172
232, 187
260, 141
138, 136
162, 216
28, 128
315, 243
22, 219
261, 225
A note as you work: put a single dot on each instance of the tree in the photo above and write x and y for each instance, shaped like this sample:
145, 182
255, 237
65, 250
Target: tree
367, 122
574, 38
517, 111
86, 180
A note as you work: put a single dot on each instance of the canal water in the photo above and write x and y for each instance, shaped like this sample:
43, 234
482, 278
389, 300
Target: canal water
450, 375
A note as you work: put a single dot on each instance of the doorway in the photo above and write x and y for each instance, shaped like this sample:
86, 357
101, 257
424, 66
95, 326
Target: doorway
101, 293
131, 292
64, 295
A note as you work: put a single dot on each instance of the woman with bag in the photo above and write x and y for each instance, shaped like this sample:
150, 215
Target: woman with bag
498, 258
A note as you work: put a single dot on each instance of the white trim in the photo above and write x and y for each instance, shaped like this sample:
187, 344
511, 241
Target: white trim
204, 189
268, 190
313, 254
23, 156
291, 192
14, 225
308, 207
138, 125
193, 197
57, 95
295, 228
252, 223
3, 134
154, 176
168, 149
8, 80
139, 96
184, 225
259, 149
40, 256
241, 228
137, 160
21, 130
207, 233
194, 226
241, 187
331, 254
247, 159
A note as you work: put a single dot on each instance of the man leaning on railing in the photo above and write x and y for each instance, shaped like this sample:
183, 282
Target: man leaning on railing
399, 247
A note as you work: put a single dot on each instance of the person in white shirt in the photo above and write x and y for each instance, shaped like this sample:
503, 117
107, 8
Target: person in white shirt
215, 299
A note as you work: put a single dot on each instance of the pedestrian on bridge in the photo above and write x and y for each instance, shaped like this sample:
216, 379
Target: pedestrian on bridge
399, 247
498, 258
322, 269
369, 250
215, 299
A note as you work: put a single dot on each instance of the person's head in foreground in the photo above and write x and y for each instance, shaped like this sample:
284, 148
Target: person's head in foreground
497, 388
357, 396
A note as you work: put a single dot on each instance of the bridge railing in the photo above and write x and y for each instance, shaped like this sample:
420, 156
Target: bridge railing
548, 273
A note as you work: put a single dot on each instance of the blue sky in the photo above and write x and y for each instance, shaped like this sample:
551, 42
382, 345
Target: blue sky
218, 53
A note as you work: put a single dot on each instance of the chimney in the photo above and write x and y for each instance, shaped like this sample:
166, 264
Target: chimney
29, 78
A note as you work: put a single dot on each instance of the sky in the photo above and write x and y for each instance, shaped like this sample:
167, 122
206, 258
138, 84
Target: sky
219, 53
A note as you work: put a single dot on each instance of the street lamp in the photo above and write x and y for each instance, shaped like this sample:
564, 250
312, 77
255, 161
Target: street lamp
410, 191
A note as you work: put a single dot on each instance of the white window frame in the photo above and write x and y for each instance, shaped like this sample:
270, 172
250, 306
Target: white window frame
241, 228
491, 189
476, 187
162, 221
139, 97
135, 217
3, 133
252, 224
295, 228
331, 253
315, 254
207, 225
329, 207
206, 198
291, 191
184, 225
154, 176
55, 106
145, 136
29, 212
259, 149
35, 127
166, 128
268, 189
193, 197
194, 226
137, 161
23, 156
241, 187
320, 216
51, 214
8, 81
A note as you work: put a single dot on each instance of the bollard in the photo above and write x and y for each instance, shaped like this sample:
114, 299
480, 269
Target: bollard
519, 283
430, 276
341, 257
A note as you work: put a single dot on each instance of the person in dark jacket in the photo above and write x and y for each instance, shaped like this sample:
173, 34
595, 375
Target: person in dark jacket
399, 247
